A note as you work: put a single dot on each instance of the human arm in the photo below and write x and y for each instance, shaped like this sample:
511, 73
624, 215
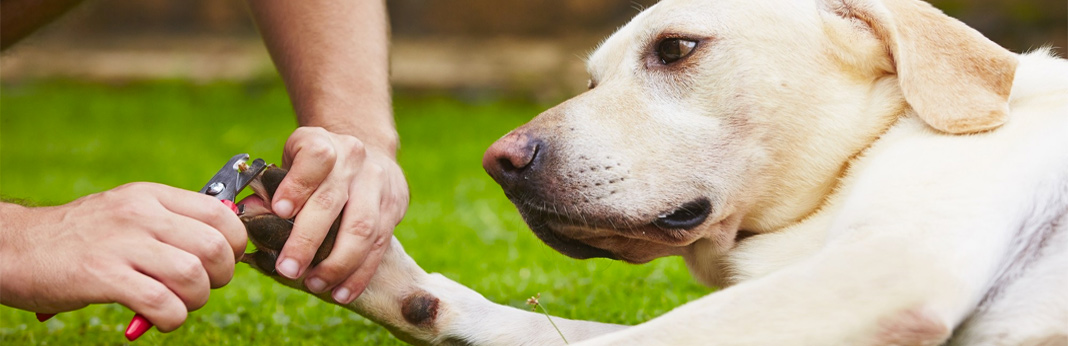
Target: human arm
333, 57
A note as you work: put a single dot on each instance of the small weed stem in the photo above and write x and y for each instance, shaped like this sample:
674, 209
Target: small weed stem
533, 301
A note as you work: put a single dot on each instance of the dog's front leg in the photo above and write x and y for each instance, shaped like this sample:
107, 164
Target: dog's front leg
848, 294
430, 309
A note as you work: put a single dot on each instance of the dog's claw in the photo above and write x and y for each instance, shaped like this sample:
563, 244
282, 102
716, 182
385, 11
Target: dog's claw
268, 232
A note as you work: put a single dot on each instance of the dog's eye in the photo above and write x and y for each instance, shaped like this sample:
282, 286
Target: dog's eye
674, 49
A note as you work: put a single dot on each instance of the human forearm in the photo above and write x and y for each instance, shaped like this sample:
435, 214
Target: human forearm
11, 286
334, 59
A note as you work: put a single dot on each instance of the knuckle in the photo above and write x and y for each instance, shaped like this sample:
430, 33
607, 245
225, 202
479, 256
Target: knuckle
155, 297
189, 269
320, 149
326, 198
361, 228
376, 170
355, 146
381, 241
217, 249
131, 211
308, 131
140, 189
133, 187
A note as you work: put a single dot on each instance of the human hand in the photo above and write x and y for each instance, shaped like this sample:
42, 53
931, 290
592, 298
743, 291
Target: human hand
153, 248
329, 175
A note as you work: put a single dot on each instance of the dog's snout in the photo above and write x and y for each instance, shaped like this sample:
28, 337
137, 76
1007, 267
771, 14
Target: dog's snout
511, 157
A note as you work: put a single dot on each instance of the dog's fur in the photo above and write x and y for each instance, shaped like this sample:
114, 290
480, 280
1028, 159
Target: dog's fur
876, 173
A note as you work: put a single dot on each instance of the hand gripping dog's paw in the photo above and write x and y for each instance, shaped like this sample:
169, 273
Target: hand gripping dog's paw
267, 231
408, 310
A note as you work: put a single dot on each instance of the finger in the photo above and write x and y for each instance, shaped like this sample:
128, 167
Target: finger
181, 272
360, 228
150, 298
393, 209
310, 228
313, 156
354, 285
207, 244
207, 210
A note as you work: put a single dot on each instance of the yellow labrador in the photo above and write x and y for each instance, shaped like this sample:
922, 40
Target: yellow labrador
855, 172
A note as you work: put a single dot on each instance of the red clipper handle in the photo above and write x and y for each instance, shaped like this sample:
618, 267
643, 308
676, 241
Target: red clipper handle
138, 326
230, 204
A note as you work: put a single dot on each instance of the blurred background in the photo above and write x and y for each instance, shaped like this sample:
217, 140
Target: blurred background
530, 47
166, 90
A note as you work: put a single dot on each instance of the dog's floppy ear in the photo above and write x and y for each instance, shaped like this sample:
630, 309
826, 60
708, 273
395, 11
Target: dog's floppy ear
956, 80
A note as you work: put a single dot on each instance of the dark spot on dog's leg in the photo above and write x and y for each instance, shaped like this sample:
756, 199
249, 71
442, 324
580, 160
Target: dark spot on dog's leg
420, 309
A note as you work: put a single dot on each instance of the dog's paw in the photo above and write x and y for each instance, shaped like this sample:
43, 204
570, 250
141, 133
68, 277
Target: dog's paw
267, 231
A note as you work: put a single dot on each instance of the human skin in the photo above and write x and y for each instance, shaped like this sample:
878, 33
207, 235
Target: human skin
333, 57
120, 246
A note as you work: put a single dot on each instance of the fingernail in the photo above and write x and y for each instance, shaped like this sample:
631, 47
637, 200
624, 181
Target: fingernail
138, 326
341, 295
289, 268
283, 208
315, 285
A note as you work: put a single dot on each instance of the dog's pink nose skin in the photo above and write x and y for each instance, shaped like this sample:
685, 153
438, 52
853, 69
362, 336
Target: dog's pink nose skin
511, 158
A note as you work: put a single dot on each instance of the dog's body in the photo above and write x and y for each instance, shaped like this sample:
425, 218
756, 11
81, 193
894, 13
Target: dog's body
856, 172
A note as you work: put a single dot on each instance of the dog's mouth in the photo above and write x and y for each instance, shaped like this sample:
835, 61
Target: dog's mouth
633, 239
686, 217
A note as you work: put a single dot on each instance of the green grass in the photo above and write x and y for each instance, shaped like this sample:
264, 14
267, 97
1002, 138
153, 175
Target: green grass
62, 140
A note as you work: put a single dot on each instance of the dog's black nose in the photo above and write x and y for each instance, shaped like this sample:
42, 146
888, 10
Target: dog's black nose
512, 159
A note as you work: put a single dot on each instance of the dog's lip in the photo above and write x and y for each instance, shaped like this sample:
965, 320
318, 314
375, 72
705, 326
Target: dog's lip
686, 217
568, 246
577, 227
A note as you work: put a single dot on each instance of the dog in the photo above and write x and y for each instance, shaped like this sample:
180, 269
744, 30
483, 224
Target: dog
853, 172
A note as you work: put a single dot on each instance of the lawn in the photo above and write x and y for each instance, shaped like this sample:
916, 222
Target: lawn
61, 140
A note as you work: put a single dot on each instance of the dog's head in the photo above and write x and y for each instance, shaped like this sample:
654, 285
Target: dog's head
706, 117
